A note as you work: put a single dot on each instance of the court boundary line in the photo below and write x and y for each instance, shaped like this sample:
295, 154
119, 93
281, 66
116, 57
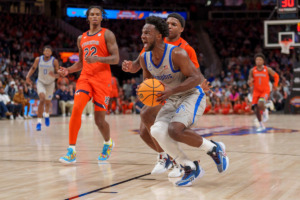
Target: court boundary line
109, 186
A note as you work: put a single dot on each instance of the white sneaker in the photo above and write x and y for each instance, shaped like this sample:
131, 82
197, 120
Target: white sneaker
261, 127
176, 171
25, 117
11, 117
163, 164
270, 105
265, 115
19, 117
64, 115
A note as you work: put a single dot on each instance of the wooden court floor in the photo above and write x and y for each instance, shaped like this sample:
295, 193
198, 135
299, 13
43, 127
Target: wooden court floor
262, 165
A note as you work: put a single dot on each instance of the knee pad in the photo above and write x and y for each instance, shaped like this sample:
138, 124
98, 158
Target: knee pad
159, 129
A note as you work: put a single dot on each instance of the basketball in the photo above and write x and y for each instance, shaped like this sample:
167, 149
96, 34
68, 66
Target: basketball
147, 92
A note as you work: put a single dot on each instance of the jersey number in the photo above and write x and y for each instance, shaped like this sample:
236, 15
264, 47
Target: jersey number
93, 50
45, 71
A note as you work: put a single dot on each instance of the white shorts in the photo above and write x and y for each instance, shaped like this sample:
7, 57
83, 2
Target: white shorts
184, 109
48, 90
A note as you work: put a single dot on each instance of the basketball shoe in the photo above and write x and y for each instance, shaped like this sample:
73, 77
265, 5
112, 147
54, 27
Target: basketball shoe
69, 158
47, 121
39, 126
163, 163
191, 175
106, 151
176, 171
218, 154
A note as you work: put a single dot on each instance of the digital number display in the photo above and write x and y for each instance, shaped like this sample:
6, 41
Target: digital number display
287, 6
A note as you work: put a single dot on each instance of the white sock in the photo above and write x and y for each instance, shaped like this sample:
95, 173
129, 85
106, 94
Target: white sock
261, 124
73, 147
207, 145
109, 142
163, 154
39, 120
46, 114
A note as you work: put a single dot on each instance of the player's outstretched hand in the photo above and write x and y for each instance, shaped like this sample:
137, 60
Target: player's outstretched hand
127, 65
63, 71
91, 59
205, 85
164, 95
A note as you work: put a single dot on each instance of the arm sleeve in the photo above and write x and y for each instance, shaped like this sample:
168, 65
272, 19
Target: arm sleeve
276, 79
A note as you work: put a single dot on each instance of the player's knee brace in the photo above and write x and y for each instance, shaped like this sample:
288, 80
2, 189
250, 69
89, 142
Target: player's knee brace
159, 130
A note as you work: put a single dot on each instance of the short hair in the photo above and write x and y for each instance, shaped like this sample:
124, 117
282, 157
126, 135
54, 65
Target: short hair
260, 55
47, 47
179, 17
160, 25
98, 7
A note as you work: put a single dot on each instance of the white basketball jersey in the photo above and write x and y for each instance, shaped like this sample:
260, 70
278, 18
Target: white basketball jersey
165, 71
44, 68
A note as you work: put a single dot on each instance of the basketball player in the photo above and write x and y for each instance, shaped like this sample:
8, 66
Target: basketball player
259, 78
176, 24
47, 65
97, 50
185, 100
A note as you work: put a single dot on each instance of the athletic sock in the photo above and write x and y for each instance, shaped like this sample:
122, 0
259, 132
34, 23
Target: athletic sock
207, 145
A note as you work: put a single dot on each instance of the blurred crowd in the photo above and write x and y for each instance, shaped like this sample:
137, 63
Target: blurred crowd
236, 43
22, 38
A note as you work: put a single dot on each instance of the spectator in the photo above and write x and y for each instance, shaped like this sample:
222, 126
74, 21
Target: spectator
234, 96
20, 99
64, 100
16, 109
277, 99
216, 83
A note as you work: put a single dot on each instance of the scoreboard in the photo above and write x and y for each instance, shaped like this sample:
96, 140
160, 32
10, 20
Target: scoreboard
287, 8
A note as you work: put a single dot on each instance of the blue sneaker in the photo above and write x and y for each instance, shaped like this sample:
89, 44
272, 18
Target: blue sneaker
39, 127
163, 164
218, 154
47, 121
190, 175
69, 158
106, 151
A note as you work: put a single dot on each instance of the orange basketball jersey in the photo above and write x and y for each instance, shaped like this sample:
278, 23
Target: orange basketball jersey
261, 80
184, 45
95, 45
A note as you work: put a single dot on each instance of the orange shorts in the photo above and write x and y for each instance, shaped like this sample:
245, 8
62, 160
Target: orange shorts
257, 95
114, 94
97, 90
